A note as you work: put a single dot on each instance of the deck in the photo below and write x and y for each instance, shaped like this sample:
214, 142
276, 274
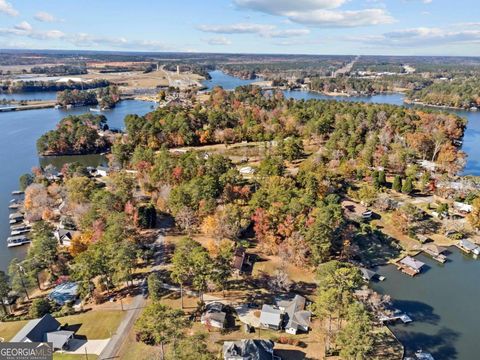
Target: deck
407, 270
437, 257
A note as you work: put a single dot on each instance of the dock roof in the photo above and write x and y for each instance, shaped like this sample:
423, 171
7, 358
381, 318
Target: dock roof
412, 263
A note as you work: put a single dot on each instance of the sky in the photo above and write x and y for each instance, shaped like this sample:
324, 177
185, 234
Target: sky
377, 27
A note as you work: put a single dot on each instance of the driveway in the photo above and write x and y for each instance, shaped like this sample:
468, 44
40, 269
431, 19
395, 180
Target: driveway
246, 315
82, 347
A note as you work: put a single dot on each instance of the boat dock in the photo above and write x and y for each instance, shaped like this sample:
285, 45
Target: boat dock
409, 265
468, 247
436, 252
402, 317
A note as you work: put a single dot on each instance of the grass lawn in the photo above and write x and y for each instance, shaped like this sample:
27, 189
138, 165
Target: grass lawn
9, 329
59, 356
94, 324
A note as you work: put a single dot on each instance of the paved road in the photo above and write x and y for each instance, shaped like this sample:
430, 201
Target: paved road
132, 312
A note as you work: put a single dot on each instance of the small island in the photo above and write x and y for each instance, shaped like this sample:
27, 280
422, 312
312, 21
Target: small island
76, 135
106, 97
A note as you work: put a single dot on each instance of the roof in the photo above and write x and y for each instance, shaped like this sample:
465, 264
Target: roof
412, 262
296, 313
270, 315
238, 258
467, 244
300, 318
367, 274
435, 248
68, 291
248, 350
59, 338
35, 330
214, 312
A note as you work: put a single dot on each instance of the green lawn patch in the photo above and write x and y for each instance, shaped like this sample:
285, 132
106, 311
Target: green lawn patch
95, 324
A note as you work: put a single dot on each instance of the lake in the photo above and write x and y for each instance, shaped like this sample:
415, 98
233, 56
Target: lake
443, 304
471, 140
443, 301
37, 95
20, 131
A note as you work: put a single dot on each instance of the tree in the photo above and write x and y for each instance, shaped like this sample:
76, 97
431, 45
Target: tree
159, 325
382, 178
407, 186
79, 189
222, 268
40, 307
397, 183
154, 286
191, 263
280, 281
146, 216
474, 216
291, 148
271, 166
4, 290
42, 253
18, 279
191, 348
367, 194
25, 180
356, 337
186, 219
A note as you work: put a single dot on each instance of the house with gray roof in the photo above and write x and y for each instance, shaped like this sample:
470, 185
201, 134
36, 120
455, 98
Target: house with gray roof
271, 317
45, 329
249, 349
296, 318
214, 315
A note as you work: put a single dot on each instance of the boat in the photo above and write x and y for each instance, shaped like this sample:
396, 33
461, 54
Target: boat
16, 216
95, 109
422, 355
14, 206
14, 221
19, 232
13, 241
17, 192
20, 227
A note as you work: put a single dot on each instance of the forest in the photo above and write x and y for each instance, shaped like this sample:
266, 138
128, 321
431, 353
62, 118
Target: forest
75, 135
457, 93
350, 133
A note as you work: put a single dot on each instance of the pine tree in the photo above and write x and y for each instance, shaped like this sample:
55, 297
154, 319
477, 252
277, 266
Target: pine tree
407, 186
397, 183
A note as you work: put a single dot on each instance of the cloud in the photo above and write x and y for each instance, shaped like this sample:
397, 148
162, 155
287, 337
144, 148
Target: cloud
88, 40
318, 13
280, 7
25, 30
350, 18
422, 37
43, 16
7, 8
269, 31
24, 26
218, 41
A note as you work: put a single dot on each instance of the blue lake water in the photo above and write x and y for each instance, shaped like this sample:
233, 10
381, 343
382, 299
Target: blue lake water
18, 135
443, 304
444, 301
38, 95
